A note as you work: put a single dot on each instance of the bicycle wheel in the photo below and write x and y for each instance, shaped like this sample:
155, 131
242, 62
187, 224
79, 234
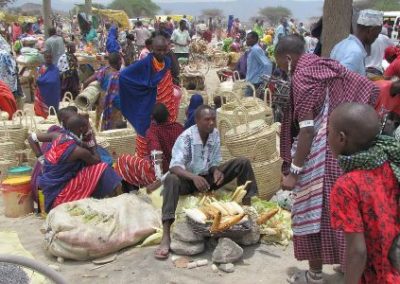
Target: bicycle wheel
20, 269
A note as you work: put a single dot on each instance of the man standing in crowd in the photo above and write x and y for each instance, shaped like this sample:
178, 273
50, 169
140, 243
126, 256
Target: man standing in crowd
258, 63
309, 168
55, 44
352, 51
141, 33
181, 39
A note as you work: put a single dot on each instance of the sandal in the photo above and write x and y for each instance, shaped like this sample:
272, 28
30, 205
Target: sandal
304, 277
161, 253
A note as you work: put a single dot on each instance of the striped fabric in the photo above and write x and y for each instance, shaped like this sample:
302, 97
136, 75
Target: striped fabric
81, 186
40, 107
307, 208
312, 77
135, 170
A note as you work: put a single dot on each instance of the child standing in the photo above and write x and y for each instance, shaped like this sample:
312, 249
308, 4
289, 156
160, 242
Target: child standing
364, 201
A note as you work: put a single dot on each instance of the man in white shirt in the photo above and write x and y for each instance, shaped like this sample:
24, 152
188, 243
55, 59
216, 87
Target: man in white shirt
141, 34
181, 39
374, 61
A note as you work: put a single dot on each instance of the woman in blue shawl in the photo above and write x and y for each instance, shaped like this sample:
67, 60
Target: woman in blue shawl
112, 44
48, 91
195, 101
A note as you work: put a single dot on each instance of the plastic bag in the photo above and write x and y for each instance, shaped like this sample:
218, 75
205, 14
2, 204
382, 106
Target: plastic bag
92, 228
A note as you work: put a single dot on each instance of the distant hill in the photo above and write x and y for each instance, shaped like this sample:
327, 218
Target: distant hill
245, 9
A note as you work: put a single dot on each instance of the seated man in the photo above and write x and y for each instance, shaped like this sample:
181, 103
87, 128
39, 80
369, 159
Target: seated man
72, 169
138, 171
195, 167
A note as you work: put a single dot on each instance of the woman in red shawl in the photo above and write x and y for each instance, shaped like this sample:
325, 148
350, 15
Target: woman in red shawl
318, 85
7, 100
392, 56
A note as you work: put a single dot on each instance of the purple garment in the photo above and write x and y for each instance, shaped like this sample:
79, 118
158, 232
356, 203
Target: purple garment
241, 66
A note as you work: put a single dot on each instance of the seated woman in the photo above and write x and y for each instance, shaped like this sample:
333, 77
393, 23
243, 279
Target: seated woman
48, 91
72, 169
109, 102
139, 171
195, 101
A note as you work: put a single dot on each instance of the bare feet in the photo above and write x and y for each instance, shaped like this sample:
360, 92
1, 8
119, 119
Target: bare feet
162, 251
152, 187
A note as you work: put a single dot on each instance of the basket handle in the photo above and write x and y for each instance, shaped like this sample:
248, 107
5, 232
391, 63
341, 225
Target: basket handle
256, 146
246, 116
21, 114
224, 120
54, 110
236, 76
33, 126
268, 97
68, 98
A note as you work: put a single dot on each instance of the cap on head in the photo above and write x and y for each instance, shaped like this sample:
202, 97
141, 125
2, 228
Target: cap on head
370, 18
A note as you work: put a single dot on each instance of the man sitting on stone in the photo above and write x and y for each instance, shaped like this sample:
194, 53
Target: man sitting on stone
195, 167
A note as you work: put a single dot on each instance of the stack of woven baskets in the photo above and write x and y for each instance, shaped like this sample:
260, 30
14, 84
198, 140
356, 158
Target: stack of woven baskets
197, 78
254, 139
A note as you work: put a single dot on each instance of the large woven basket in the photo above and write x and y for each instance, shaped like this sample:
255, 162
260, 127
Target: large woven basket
226, 155
268, 177
122, 141
7, 149
220, 59
15, 132
88, 97
182, 107
197, 78
255, 140
68, 100
4, 166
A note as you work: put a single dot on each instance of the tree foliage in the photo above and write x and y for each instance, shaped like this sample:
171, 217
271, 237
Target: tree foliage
381, 5
136, 8
4, 3
274, 14
213, 13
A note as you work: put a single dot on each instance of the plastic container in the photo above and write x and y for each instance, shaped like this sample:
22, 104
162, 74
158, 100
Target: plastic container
20, 171
42, 209
17, 196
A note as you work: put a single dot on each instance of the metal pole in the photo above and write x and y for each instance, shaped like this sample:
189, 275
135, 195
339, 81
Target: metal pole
47, 16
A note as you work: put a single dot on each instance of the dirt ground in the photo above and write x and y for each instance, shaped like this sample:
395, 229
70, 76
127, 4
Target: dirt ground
261, 263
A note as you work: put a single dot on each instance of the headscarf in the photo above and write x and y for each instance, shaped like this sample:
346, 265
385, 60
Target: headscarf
195, 101
235, 47
112, 44
8, 70
384, 149
4, 45
392, 51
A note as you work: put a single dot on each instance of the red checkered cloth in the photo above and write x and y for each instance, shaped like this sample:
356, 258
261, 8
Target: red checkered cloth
312, 79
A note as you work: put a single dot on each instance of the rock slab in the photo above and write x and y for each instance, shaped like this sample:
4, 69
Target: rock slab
183, 231
227, 267
186, 248
227, 251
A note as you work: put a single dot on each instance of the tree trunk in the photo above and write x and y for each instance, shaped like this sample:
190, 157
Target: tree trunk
336, 23
47, 16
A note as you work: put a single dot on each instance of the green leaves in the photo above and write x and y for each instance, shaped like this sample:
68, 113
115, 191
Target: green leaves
136, 8
274, 14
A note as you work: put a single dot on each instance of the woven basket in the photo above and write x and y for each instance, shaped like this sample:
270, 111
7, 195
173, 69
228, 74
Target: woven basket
52, 117
268, 177
220, 59
68, 100
254, 140
197, 78
122, 141
88, 97
190, 93
226, 155
4, 166
182, 107
15, 132
7, 149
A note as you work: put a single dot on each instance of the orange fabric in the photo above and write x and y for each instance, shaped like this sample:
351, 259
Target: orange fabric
386, 103
7, 100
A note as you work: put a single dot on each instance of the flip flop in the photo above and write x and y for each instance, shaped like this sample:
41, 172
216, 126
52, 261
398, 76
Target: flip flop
161, 253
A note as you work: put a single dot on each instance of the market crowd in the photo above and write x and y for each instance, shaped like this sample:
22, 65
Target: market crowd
339, 136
